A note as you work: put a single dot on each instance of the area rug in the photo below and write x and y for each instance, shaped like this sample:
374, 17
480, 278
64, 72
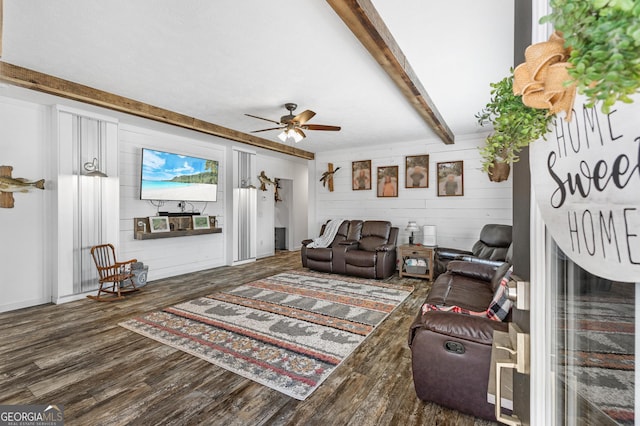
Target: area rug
288, 331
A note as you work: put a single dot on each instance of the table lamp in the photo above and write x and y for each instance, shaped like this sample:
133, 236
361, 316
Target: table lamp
411, 227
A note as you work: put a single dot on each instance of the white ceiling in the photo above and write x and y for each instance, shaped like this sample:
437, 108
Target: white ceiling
216, 60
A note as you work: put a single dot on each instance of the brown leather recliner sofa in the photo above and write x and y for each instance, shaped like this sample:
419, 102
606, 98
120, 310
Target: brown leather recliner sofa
494, 247
451, 352
360, 248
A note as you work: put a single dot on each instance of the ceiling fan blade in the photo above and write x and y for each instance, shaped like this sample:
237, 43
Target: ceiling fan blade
265, 130
320, 127
304, 116
300, 132
260, 118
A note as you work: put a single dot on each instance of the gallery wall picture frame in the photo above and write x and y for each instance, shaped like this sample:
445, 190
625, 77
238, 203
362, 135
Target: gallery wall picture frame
387, 181
416, 171
361, 175
159, 224
450, 179
201, 222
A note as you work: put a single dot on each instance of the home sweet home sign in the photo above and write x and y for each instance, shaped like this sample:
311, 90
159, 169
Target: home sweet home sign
586, 178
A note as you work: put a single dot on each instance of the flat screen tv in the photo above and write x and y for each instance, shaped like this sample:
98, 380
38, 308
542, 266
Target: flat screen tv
176, 177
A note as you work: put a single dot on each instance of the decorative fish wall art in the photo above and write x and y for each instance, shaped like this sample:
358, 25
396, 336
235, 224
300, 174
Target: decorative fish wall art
9, 185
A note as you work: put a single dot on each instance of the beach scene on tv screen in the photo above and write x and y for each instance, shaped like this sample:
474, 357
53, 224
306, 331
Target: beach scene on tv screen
167, 176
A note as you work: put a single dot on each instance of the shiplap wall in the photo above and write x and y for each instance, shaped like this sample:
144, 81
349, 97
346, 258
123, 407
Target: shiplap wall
168, 256
458, 219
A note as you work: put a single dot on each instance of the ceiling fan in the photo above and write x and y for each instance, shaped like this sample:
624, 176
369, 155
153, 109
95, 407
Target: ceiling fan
293, 126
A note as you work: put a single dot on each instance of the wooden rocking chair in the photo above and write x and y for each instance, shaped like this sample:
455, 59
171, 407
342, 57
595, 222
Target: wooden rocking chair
112, 274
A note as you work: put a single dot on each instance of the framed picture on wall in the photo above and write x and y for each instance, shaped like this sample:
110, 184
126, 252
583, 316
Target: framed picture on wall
450, 179
387, 181
201, 222
159, 223
416, 171
361, 175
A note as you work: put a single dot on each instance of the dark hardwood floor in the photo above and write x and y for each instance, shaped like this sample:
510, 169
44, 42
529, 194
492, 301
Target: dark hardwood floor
76, 355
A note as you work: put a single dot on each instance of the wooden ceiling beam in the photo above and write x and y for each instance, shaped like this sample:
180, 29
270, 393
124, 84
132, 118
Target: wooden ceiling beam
34, 80
367, 25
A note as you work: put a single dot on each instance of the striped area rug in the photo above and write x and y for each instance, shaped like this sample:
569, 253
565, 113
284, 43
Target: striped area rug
288, 331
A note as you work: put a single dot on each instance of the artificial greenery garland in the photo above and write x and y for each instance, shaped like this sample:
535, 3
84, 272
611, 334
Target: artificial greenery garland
604, 38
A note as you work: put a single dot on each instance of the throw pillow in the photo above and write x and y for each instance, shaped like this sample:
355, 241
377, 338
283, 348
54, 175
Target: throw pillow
501, 305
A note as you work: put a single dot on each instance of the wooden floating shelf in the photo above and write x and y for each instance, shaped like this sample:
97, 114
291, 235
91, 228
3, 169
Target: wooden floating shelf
180, 225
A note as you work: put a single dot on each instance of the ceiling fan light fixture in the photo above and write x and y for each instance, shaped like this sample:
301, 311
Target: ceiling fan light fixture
297, 137
292, 126
290, 134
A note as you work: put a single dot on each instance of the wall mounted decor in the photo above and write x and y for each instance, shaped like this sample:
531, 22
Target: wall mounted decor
416, 171
276, 193
361, 175
9, 185
388, 181
264, 181
327, 177
450, 179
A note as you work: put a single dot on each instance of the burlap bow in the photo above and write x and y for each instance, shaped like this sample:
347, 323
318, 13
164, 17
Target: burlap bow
542, 79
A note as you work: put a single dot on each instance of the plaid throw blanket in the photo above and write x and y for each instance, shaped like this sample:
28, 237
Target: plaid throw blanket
329, 234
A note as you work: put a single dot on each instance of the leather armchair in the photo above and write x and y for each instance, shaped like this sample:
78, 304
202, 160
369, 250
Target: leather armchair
374, 254
493, 248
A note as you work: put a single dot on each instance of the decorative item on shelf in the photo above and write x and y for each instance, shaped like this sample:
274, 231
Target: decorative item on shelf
91, 168
412, 227
213, 221
159, 224
200, 222
429, 237
9, 185
264, 181
327, 177
515, 126
246, 184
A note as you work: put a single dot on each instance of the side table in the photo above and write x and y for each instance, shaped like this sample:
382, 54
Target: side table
417, 251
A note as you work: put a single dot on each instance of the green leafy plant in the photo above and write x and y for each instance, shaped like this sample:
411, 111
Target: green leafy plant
515, 125
604, 38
